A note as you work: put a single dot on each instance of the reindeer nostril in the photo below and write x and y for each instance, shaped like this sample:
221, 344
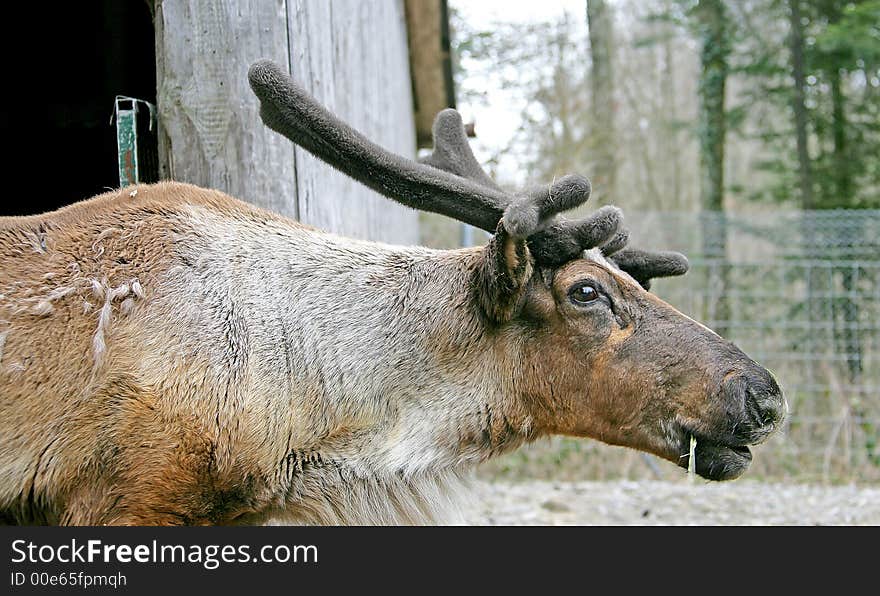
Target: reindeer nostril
770, 408
769, 402
759, 397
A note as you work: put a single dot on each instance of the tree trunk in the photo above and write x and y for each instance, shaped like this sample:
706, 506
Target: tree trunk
600, 22
714, 52
844, 308
796, 46
565, 158
848, 309
670, 99
843, 186
810, 232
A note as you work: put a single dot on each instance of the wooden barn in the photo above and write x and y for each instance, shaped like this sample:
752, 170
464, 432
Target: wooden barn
382, 65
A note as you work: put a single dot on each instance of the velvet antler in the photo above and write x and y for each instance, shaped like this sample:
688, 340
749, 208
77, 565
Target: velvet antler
466, 194
450, 181
562, 240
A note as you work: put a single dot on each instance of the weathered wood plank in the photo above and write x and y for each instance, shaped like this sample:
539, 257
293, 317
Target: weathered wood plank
210, 129
431, 63
352, 55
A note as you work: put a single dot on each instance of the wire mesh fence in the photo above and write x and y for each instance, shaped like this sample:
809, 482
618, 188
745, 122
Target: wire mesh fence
800, 293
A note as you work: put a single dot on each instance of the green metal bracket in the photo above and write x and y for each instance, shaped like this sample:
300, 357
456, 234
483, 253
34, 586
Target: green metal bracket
126, 115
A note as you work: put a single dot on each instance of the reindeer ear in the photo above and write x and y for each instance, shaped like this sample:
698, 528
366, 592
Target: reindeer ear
509, 265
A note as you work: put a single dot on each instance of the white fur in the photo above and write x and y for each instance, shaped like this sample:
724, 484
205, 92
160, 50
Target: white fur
262, 304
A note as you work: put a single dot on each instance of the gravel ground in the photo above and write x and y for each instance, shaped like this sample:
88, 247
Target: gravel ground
667, 503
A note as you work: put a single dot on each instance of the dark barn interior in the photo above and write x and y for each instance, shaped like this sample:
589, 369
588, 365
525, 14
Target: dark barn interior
65, 64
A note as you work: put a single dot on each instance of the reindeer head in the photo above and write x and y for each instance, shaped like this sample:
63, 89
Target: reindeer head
597, 354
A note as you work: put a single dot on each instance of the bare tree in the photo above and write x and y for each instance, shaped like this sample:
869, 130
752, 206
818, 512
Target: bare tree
796, 46
601, 27
712, 28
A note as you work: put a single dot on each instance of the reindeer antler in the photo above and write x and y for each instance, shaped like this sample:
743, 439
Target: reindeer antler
452, 186
451, 181
563, 240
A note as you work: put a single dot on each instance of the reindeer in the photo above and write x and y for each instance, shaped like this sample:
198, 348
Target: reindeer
171, 355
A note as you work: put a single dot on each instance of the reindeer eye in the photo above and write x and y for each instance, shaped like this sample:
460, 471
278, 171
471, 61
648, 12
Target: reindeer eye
583, 294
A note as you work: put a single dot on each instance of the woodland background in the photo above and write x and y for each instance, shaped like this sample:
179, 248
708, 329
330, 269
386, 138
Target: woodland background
745, 134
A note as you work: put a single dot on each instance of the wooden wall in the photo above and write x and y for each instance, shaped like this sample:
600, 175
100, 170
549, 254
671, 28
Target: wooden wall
352, 55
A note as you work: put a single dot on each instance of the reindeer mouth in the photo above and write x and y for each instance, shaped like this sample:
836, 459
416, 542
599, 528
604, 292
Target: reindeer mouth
715, 460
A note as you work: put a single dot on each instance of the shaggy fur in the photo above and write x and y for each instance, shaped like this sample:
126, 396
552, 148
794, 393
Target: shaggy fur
208, 362
220, 365
171, 355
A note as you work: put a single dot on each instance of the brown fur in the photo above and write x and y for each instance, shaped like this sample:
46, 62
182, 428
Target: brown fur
176, 356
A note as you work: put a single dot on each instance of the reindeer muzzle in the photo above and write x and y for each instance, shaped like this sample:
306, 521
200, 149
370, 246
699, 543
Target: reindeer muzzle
753, 408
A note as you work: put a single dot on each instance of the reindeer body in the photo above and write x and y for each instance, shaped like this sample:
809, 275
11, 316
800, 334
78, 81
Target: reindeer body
262, 366
171, 355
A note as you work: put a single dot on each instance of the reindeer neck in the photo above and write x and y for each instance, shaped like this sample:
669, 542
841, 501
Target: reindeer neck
378, 351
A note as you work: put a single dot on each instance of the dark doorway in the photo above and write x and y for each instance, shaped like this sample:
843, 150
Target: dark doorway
65, 64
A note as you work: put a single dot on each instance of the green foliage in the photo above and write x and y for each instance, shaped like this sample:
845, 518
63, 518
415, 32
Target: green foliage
855, 36
842, 56
745, 47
